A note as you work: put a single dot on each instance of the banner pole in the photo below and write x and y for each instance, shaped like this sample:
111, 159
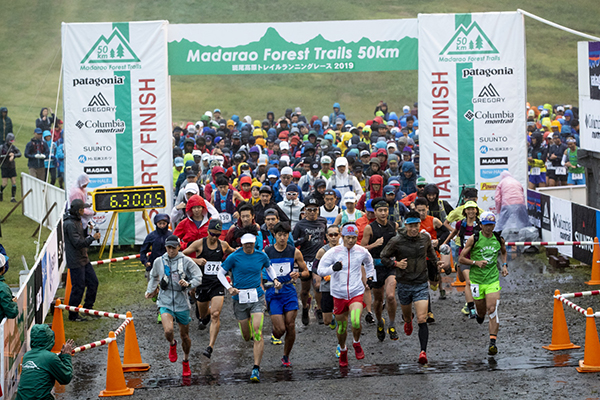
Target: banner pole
555, 25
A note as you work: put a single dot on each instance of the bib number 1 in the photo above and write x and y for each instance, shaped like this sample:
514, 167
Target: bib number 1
248, 296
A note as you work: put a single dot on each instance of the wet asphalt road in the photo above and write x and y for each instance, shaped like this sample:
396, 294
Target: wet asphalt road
459, 367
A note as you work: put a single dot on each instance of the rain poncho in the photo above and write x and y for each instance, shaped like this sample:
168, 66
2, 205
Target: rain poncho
511, 206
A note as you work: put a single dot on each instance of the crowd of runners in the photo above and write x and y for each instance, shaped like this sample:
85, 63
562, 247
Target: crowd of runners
295, 211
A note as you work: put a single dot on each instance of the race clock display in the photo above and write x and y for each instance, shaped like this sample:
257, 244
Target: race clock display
129, 198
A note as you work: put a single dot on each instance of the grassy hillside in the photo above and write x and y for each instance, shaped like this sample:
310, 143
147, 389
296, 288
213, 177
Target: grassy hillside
31, 55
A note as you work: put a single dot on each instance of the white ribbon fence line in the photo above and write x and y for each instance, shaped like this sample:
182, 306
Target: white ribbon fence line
103, 341
92, 312
576, 307
549, 243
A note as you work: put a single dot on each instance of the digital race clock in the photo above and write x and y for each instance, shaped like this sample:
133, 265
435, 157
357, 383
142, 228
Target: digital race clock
129, 198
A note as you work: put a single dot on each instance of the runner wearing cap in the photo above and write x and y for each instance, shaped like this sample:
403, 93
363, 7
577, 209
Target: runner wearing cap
344, 264
283, 302
359, 173
330, 211
307, 182
350, 214
222, 199
246, 267
481, 251
208, 254
319, 192
407, 252
326, 171
409, 199
291, 205
376, 235
309, 237
570, 160
267, 202
361, 223
171, 276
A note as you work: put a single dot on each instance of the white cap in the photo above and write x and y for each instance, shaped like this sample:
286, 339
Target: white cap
285, 158
263, 159
192, 187
284, 146
248, 238
349, 197
325, 160
191, 129
287, 171
205, 156
365, 153
406, 109
208, 113
2, 260
391, 144
196, 153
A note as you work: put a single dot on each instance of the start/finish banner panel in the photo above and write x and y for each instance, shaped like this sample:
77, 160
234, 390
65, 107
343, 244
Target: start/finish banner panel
293, 47
472, 92
117, 111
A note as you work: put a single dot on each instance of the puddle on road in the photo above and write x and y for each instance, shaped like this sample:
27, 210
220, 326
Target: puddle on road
365, 371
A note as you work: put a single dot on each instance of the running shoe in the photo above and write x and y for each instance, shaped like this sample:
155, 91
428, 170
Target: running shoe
465, 310
208, 352
305, 319
434, 286
333, 324
492, 350
319, 316
381, 330
370, 318
422, 358
274, 340
337, 351
255, 377
158, 319
173, 352
344, 358
393, 333
285, 361
408, 327
358, 351
430, 317
442, 294
472, 314
201, 325
186, 368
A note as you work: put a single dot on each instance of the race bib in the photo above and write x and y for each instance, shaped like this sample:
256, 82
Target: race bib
475, 289
561, 171
282, 269
248, 296
212, 267
225, 218
576, 176
535, 171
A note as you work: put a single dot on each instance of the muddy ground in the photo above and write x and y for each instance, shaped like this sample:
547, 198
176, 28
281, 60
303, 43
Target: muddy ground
459, 367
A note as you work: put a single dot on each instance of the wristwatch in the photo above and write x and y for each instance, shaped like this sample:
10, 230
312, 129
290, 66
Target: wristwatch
473, 262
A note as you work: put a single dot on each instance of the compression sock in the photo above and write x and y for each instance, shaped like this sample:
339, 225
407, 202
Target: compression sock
423, 335
206, 319
471, 305
428, 303
392, 324
13, 190
493, 339
256, 367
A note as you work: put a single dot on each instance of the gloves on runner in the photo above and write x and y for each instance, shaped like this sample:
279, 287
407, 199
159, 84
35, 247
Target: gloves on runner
337, 266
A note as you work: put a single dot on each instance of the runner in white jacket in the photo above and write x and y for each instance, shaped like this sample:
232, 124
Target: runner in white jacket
343, 263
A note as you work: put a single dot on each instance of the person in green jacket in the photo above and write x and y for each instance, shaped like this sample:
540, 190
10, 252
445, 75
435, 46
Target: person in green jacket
8, 307
41, 367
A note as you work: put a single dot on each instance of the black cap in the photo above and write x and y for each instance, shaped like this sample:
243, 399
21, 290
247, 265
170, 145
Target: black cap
315, 167
312, 202
265, 189
271, 211
215, 225
236, 135
319, 183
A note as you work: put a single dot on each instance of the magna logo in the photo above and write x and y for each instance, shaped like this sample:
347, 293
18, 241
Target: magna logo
502, 117
493, 161
113, 126
113, 80
98, 170
98, 103
488, 94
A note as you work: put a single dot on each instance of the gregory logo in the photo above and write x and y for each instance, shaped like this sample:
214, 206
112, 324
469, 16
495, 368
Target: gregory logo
488, 94
469, 41
98, 103
115, 49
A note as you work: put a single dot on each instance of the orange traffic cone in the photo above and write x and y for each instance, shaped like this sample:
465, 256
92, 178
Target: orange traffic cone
595, 280
68, 287
591, 356
560, 331
115, 380
58, 326
457, 282
132, 359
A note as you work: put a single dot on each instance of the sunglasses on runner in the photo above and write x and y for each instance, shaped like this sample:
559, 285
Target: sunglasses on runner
311, 209
214, 234
333, 234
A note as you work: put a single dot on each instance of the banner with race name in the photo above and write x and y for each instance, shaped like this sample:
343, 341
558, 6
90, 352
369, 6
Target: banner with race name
588, 60
472, 91
293, 47
117, 104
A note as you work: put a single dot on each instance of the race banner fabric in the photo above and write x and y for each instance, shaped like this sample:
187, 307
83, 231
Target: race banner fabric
117, 111
588, 56
294, 47
472, 112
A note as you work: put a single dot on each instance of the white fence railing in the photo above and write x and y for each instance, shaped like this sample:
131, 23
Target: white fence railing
42, 198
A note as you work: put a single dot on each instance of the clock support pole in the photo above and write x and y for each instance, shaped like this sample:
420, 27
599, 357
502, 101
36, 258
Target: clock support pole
112, 226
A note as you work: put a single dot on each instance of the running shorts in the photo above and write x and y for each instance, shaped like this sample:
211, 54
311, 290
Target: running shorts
182, 317
341, 306
479, 290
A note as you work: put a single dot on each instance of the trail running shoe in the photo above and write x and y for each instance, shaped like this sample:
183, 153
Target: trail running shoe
422, 358
370, 318
333, 324
201, 325
186, 369
305, 319
255, 377
492, 350
472, 314
358, 351
344, 358
393, 333
208, 352
158, 319
319, 316
173, 351
430, 317
465, 310
434, 286
285, 361
337, 351
408, 327
274, 340
381, 330
442, 294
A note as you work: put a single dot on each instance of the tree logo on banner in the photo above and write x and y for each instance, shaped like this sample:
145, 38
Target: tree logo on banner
115, 49
469, 41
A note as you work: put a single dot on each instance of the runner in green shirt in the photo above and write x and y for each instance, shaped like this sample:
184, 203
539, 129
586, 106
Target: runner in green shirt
481, 252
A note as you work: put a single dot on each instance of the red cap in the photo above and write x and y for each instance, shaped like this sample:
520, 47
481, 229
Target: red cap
246, 179
296, 174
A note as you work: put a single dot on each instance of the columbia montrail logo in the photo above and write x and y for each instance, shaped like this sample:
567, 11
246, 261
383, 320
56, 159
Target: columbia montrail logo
468, 41
79, 124
489, 91
98, 100
115, 49
469, 115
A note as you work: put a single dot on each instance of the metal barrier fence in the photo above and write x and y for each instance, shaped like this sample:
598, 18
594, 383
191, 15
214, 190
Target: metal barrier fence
45, 202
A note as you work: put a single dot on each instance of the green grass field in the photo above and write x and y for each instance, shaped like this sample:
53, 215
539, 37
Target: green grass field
31, 58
